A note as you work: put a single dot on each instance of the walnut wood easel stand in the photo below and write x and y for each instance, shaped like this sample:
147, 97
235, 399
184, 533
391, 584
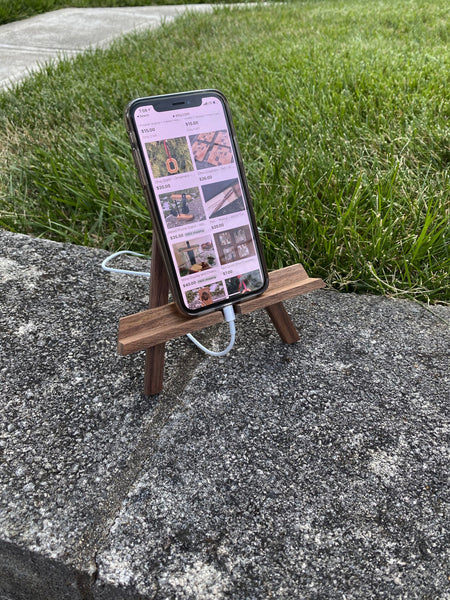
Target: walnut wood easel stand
151, 329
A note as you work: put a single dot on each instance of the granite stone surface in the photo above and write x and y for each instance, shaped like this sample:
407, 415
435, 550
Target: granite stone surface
316, 470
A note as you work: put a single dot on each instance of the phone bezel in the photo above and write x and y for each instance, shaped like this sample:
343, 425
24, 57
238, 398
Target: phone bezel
172, 102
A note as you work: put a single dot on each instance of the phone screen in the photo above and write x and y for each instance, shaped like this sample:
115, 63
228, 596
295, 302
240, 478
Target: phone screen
197, 184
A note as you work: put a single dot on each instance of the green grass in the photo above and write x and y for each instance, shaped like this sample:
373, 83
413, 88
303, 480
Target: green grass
341, 109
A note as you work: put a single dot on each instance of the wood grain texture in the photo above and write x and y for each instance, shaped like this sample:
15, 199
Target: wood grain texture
159, 295
164, 322
159, 325
283, 324
283, 284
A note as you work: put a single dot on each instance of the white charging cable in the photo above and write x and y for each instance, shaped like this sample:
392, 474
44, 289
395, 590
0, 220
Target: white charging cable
230, 317
123, 271
228, 310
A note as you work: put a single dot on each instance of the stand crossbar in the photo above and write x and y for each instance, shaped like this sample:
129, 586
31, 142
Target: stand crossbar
150, 329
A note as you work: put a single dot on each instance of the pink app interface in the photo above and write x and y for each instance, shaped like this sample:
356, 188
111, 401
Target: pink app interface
201, 202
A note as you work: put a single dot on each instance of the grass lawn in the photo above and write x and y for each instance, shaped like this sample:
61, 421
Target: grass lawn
341, 108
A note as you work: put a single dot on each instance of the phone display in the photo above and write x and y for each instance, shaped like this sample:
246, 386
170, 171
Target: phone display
190, 168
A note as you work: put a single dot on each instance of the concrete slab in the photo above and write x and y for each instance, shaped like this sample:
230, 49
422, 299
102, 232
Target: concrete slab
22, 62
318, 470
26, 44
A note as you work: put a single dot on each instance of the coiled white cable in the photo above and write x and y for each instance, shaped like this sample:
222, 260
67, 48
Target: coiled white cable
228, 311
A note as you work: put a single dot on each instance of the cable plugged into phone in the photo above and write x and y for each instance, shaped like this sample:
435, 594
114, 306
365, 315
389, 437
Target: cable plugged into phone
230, 317
228, 311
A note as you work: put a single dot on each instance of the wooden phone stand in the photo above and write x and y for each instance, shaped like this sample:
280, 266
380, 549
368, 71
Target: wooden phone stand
150, 329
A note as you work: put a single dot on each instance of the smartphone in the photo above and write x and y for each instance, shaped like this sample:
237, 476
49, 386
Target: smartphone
189, 165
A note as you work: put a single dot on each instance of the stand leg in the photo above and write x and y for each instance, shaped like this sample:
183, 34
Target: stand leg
150, 329
159, 295
283, 324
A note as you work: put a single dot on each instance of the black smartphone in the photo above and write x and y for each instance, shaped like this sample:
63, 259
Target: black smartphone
191, 171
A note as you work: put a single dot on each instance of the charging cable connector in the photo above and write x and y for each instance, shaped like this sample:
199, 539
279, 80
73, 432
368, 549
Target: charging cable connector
228, 310
230, 317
